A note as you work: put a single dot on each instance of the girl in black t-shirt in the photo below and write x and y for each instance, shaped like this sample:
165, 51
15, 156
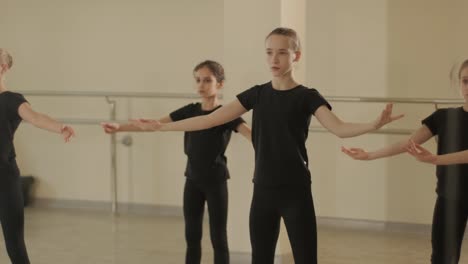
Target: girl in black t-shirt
450, 125
13, 109
282, 110
206, 168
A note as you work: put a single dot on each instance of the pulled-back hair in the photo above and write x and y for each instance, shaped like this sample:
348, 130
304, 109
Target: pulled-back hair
215, 68
290, 33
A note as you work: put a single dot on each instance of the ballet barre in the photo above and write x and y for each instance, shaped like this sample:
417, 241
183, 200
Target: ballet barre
127, 140
112, 117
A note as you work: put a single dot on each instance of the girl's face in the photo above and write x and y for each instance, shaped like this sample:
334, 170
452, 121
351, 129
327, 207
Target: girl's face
280, 55
464, 83
206, 83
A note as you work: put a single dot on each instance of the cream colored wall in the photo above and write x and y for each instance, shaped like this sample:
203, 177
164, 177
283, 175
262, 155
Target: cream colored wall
293, 15
347, 57
383, 48
145, 46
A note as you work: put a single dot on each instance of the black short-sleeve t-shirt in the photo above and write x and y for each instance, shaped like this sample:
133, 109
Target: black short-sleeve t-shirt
280, 127
9, 122
450, 125
205, 149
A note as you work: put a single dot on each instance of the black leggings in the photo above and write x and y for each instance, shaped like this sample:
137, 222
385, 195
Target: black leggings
448, 228
216, 196
12, 215
296, 207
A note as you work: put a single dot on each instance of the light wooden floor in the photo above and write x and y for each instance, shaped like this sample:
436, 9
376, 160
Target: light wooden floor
69, 236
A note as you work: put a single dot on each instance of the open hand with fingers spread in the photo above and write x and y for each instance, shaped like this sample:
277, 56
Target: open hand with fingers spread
147, 124
356, 153
420, 153
386, 117
67, 133
110, 128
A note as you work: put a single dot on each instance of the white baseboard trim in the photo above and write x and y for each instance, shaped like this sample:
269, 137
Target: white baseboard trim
165, 210
373, 225
243, 258
145, 209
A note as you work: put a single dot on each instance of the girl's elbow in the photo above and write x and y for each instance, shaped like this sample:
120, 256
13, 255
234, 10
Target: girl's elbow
34, 120
40, 120
338, 130
338, 133
343, 136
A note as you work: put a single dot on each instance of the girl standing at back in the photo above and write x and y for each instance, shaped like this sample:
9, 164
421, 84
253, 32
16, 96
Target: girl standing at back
282, 110
13, 109
206, 169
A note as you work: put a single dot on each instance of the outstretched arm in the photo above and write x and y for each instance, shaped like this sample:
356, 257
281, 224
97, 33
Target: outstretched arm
44, 122
111, 128
345, 129
424, 155
420, 136
223, 115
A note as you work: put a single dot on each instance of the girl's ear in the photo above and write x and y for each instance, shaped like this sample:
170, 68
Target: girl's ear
298, 55
3, 68
220, 85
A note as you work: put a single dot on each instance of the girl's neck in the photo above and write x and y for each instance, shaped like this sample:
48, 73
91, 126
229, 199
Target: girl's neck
2, 86
209, 103
285, 82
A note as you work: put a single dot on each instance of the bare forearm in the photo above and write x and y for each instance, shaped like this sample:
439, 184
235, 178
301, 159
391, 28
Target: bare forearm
221, 116
128, 127
389, 151
191, 124
248, 137
420, 136
346, 130
452, 158
45, 122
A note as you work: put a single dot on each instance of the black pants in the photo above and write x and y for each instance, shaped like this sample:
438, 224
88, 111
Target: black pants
296, 207
216, 197
12, 214
448, 228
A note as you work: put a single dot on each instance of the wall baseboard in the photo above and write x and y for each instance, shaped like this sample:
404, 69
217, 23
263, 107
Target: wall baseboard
243, 257
144, 209
165, 210
373, 225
